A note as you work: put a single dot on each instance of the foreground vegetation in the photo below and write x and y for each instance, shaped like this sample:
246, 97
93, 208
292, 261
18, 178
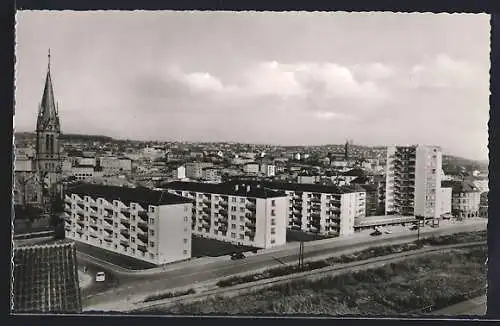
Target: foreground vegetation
168, 295
457, 238
436, 280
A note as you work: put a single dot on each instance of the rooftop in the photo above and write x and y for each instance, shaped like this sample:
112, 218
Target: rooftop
127, 195
46, 278
242, 188
327, 189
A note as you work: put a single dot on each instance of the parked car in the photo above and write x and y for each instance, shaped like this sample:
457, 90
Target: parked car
376, 233
388, 231
237, 256
100, 277
414, 227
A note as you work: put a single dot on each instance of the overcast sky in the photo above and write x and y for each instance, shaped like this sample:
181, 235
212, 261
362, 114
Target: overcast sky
284, 78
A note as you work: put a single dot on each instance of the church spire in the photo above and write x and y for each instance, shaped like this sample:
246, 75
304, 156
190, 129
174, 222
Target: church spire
47, 115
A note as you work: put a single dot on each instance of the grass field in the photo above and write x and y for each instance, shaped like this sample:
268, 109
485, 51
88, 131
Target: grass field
398, 288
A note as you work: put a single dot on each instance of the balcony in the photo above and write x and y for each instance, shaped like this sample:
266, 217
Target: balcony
207, 210
80, 206
142, 248
207, 202
143, 237
79, 231
143, 215
222, 228
143, 226
124, 243
250, 216
223, 212
125, 222
80, 217
250, 225
250, 206
223, 219
125, 233
67, 228
250, 234
125, 213
223, 203
67, 200
315, 215
316, 199
108, 211
108, 220
297, 213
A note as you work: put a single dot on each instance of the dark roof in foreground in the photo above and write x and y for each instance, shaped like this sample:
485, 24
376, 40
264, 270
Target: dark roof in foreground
317, 188
46, 278
127, 195
233, 188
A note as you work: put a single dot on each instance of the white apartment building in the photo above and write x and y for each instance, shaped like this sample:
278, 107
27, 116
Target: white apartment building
322, 209
237, 213
445, 200
269, 170
179, 173
413, 181
152, 226
251, 168
194, 170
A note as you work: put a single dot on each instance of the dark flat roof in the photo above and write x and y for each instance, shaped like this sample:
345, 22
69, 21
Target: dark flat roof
459, 186
327, 189
126, 195
227, 188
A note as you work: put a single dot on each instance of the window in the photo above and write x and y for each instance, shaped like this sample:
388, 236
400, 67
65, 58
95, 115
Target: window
233, 208
185, 252
100, 241
200, 196
242, 209
215, 232
132, 239
185, 240
273, 230
186, 208
273, 241
132, 228
116, 225
233, 226
152, 256
132, 206
185, 230
151, 244
233, 235
116, 203
115, 214
242, 228
152, 233
273, 221
242, 237
242, 200
86, 237
273, 212
233, 217
116, 246
186, 218
133, 250
152, 209
273, 202
233, 199
151, 221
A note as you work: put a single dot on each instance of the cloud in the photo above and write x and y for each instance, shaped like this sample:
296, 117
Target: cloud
444, 71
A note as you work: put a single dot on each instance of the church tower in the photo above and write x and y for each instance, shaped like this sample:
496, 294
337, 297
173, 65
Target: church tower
48, 130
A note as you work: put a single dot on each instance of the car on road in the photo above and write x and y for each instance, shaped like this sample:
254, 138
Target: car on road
376, 233
100, 277
388, 231
414, 227
237, 256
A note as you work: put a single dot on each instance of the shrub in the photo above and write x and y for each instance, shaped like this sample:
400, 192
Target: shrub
169, 295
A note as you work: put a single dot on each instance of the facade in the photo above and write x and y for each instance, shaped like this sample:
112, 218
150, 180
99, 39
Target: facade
115, 164
152, 226
194, 170
269, 170
82, 172
179, 173
446, 198
466, 199
413, 181
45, 278
242, 214
211, 174
251, 168
322, 209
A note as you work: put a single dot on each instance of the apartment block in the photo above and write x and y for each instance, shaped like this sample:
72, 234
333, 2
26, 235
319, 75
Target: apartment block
322, 209
149, 225
251, 168
413, 181
211, 174
194, 170
239, 213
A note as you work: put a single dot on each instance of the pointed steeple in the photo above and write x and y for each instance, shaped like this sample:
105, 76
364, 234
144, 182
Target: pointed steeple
47, 114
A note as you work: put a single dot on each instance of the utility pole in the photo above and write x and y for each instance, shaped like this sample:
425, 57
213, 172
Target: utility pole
301, 255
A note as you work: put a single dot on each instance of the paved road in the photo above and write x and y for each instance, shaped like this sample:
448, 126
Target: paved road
134, 285
472, 307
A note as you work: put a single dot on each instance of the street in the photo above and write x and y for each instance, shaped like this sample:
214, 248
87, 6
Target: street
126, 285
